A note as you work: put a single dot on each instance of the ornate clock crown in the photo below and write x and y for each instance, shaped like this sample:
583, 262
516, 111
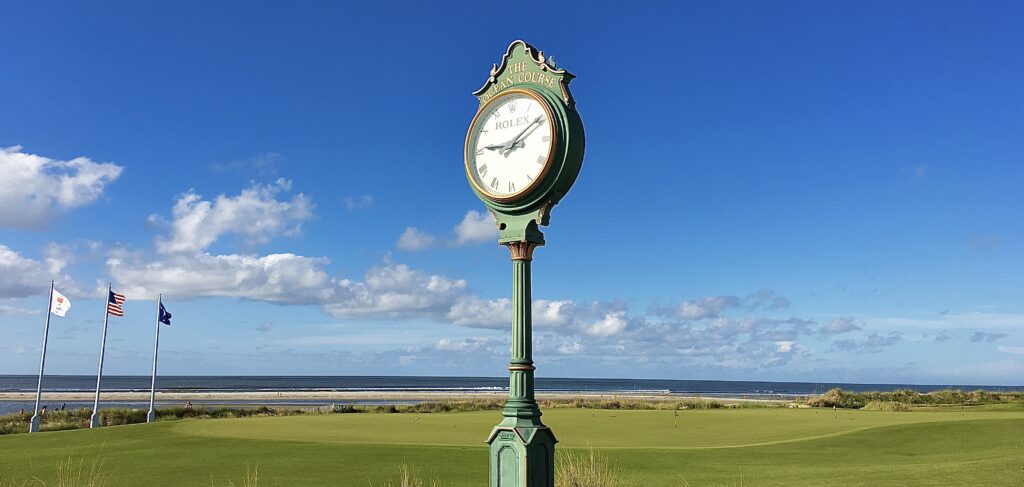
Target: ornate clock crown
523, 64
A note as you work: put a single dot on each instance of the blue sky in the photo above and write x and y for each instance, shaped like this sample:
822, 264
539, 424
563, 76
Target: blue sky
796, 191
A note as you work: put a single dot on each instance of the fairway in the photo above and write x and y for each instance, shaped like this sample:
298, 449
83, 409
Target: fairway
749, 447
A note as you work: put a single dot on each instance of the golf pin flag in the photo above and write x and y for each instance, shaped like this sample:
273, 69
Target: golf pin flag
59, 305
165, 317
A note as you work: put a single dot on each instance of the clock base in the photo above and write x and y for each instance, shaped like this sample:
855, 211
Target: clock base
522, 456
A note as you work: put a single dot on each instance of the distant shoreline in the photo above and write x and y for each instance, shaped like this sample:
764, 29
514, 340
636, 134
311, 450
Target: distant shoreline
356, 396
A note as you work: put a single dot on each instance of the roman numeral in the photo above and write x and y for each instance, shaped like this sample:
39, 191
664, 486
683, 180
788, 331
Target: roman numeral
529, 178
483, 170
511, 187
512, 107
546, 138
479, 152
541, 159
494, 183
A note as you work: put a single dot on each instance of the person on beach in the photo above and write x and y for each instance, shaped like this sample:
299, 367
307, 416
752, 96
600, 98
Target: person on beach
188, 405
42, 410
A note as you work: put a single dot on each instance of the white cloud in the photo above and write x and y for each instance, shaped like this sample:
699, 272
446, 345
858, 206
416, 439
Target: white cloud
276, 278
21, 276
395, 291
34, 190
475, 228
412, 239
702, 308
838, 326
255, 213
474, 312
471, 344
611, 324
1013, 350
784, 346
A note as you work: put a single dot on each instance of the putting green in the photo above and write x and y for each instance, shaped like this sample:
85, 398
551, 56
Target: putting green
748, 447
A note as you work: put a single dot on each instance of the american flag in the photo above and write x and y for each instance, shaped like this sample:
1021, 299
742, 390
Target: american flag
114, 302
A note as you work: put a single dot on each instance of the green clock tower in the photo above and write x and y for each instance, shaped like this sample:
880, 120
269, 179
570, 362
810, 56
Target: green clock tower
523, 152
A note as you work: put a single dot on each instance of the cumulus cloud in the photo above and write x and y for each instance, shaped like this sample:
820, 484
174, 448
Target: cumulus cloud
413, 240
34, 190
21, 276
838, 326
395, 291
474, 312
702, 308
611, 324
981, 336
475, 228
276, 278
256, 214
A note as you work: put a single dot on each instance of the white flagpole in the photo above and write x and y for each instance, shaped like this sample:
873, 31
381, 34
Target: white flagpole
151, 415
94, 421
34, 425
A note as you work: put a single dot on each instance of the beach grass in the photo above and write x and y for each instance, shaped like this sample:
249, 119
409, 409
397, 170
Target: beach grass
695, 447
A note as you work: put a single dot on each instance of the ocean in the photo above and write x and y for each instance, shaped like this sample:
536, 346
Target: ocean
185, 384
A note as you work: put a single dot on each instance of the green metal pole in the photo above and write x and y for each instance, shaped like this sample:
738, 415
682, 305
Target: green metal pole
522, 448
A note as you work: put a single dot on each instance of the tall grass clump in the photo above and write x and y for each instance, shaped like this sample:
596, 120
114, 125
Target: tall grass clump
72, 474
251, 479
407, 477
589, 469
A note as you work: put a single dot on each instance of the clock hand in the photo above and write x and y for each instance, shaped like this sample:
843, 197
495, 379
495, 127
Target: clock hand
515, 140
495, 147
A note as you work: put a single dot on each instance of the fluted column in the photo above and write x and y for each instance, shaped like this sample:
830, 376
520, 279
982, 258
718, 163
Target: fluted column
521, 401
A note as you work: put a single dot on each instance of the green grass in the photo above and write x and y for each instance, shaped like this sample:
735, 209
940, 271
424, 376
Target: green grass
710, 447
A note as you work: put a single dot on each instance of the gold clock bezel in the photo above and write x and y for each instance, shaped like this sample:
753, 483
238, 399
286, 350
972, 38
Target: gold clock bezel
551, 149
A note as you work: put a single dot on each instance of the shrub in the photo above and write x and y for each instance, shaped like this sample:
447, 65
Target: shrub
838, 398
890, 406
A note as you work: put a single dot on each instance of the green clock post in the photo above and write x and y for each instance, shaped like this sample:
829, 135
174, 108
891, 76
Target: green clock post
523, 153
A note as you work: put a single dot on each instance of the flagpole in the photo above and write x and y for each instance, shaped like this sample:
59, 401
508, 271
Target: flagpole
94, 420
151, 415
34, 424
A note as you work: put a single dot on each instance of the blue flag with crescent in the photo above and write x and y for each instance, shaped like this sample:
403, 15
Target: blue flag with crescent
165, 317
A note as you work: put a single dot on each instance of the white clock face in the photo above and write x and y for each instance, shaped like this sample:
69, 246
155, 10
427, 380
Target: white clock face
509, 145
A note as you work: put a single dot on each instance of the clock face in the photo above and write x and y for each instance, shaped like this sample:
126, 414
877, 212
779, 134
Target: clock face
509, 146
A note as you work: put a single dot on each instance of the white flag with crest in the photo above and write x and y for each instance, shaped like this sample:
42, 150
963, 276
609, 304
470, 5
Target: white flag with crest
60, 304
